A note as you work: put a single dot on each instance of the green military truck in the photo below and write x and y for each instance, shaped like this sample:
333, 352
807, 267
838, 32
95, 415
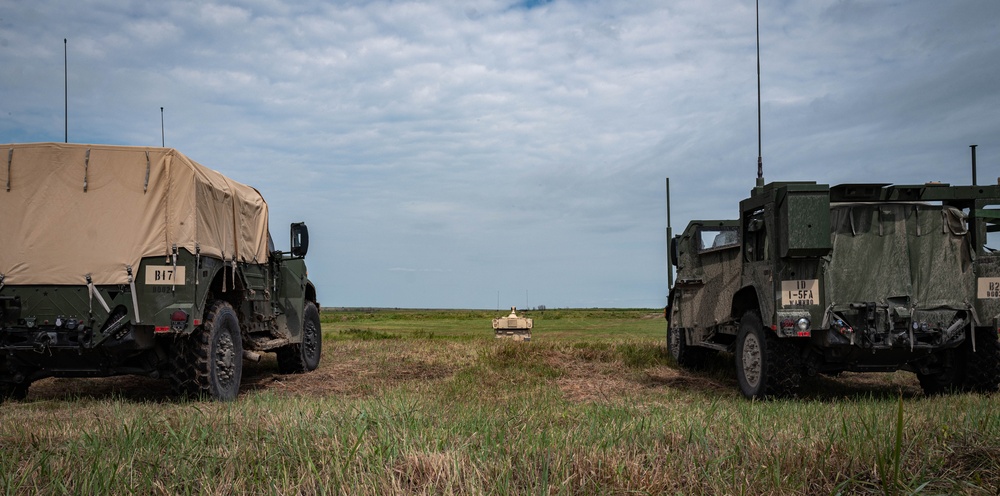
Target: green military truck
126, 260
816, 279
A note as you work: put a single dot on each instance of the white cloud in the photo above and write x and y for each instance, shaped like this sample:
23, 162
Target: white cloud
222, 15
486, 137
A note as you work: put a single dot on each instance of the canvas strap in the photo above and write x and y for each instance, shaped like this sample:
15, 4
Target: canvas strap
197, 266
145, 186
173, 280
10, 158
86, 169
94, 292
224, 278
135, 299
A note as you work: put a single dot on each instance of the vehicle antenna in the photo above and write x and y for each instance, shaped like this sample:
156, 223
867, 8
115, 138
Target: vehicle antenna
670, 235
760, 160
65, 91
163, 143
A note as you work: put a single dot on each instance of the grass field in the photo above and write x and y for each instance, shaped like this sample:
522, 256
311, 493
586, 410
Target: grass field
408, 401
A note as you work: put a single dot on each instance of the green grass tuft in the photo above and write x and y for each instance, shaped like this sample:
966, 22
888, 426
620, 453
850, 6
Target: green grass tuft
365, 334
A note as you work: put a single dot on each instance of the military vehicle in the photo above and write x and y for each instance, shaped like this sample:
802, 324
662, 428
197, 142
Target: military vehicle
813, 279
513, 327
127, 260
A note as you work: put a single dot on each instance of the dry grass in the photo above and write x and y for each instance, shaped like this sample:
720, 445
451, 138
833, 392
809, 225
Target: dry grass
424, 414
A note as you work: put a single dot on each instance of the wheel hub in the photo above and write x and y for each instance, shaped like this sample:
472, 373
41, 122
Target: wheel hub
309, 340
751, 360
225, 364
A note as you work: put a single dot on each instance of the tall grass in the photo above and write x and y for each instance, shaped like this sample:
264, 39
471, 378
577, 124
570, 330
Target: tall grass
553, 416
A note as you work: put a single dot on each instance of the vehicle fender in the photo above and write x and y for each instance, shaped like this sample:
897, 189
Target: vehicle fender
311, 293
745, 300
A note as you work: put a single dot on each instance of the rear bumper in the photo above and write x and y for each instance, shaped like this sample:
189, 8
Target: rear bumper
34, 353
514, 334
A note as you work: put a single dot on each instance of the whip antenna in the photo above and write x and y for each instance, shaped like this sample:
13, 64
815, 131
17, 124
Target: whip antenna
760, 160
65, 92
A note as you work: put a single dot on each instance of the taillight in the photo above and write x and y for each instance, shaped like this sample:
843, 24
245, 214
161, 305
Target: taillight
178, 320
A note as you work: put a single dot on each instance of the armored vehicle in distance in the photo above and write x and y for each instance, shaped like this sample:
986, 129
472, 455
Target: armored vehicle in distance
127, 260
513, 327
816, 279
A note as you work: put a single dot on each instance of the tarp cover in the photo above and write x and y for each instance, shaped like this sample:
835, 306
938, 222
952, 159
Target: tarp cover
887, 250
68, 210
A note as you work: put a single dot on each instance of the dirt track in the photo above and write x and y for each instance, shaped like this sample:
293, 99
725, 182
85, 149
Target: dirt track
347, 371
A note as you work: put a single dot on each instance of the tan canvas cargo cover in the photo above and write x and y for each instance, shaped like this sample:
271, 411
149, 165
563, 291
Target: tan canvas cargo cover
68, 210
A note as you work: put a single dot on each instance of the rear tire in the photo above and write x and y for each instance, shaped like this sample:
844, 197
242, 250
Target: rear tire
687, 356
766, 366
947, 378
964, 370
302, 357
209, 362
16, 391
982, 368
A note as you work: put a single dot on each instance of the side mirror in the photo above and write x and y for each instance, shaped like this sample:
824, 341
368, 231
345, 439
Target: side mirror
673, 252
300, 239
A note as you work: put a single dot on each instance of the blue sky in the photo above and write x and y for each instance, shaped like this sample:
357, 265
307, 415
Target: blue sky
496, 153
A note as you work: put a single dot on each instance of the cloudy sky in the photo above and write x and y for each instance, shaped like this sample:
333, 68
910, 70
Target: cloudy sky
492, 153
